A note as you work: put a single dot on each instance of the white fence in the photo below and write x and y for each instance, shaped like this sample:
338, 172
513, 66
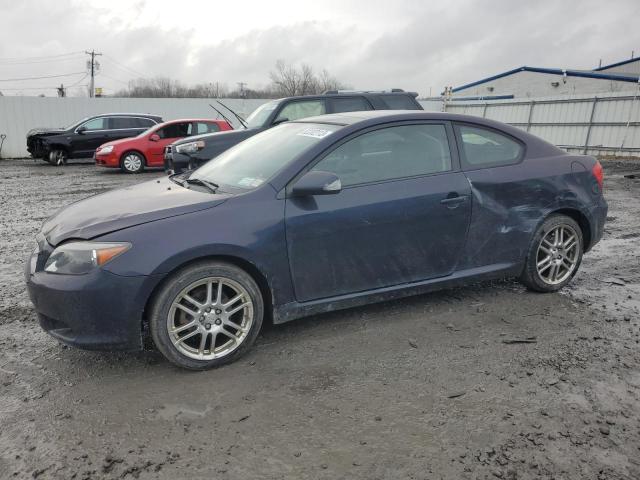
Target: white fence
608, 124
20, 114
602, 125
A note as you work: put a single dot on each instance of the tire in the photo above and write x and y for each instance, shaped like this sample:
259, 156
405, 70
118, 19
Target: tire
57, 157
132, 162
171, 312
554, 255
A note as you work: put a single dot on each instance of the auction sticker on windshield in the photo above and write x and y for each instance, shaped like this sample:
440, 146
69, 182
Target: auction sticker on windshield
314, 132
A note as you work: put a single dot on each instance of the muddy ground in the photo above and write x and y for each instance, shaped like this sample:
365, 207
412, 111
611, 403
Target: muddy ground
423, 388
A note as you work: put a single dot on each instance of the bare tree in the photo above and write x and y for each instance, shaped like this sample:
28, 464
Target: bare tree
289, 80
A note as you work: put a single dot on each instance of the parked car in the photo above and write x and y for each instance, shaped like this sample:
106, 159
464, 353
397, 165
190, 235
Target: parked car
192, 153
80, 139
311, 216
132, 155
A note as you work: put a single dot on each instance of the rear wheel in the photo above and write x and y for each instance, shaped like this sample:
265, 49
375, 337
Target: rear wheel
57, 157
554, 255
206, 315
132, 162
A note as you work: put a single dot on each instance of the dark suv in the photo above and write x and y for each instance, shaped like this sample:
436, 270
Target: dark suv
192, 152
81, 139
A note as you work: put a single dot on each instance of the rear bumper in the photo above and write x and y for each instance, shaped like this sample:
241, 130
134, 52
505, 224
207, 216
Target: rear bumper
96, 311
598, 219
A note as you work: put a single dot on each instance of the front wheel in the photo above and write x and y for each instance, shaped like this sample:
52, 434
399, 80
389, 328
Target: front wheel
132, 162
554, 255
57, 157
206, 315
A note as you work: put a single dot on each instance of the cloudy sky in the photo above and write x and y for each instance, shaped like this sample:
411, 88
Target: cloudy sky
369, 44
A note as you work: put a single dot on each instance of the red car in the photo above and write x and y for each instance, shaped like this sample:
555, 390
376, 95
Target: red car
133, 154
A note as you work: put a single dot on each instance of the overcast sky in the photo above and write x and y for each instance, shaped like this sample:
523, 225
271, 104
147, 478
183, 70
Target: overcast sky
416, 45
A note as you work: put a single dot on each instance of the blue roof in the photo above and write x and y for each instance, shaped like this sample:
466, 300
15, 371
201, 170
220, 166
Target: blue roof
617, 64
554, 71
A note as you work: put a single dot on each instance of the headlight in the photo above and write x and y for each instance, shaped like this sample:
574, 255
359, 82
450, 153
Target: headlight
191, 147
77, 258
105, 150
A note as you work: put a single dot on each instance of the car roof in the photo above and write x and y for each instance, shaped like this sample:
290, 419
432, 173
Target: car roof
354, 121
350, 118
345, 93
120, 114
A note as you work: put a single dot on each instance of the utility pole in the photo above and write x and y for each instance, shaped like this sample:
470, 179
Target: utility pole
61, 91
241, 86
93, 66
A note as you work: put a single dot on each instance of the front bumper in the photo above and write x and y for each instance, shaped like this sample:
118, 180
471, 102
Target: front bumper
110, 160
96, 311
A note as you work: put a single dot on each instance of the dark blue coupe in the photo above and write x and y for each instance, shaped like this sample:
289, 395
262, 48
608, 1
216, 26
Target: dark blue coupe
311, 216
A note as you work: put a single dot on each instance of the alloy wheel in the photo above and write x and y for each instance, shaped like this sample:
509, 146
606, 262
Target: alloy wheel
558, 254
210, 318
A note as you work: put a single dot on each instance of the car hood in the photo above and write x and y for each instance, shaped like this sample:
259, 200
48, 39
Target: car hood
115, 143
126, 207
45, 131
226, 136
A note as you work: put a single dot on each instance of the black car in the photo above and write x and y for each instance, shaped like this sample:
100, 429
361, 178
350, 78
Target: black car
192, 152
81, 139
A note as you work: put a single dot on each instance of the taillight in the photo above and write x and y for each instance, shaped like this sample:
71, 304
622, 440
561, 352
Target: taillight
598, 174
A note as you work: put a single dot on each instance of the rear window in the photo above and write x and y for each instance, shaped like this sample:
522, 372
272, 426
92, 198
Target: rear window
400, 102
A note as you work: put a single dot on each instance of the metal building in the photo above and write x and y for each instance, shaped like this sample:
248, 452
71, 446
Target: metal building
528, 82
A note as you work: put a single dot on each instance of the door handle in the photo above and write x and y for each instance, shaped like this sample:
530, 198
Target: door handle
453, 200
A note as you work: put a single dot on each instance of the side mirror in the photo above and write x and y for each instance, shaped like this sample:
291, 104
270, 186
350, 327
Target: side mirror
279, 121
317, 183
81, 130
154, 138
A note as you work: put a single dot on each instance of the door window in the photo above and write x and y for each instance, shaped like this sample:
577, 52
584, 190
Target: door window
302, 109
175, 130
350, 104
487, 148
96, 124
390, 153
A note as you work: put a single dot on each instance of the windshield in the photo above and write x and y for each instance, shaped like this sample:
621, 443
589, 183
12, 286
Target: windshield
254, 161
260, 114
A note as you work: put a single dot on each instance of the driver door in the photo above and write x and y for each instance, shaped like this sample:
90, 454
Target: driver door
401, 216
168, 135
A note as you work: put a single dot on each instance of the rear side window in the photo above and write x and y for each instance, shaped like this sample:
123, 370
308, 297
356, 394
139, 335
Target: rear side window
487, 148
143, 122
302, 109
400, 102
390, 153
123, 122
350, 104
199, 128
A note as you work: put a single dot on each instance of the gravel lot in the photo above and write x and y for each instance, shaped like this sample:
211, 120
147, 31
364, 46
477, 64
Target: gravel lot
424, 388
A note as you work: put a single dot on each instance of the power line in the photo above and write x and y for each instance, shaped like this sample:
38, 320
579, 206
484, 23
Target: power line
2, 59
122, 66
102, 74
39, 78
33, 62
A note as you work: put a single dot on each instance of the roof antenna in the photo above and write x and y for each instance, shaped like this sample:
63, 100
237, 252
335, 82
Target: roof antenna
600, 64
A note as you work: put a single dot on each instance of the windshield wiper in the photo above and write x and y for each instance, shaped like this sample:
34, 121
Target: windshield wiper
213, 187
242, 121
